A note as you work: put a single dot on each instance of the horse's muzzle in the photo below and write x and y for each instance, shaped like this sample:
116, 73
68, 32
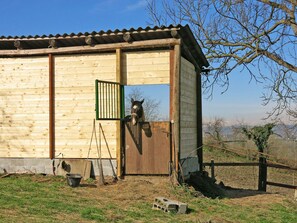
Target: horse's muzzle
134, 118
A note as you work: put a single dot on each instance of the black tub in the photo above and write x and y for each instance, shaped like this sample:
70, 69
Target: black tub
73, 180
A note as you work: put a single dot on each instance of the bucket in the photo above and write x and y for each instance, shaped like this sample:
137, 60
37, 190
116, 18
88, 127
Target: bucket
73, 180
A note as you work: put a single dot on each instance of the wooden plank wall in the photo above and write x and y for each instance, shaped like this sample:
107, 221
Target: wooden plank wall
24, 100
75, 96
148, 67
75, 104
24, 107
188, 116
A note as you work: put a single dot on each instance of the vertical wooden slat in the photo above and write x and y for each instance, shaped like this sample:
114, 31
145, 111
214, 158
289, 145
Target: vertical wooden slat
51, 107
108, 100
97, 100
105, 100
111, 100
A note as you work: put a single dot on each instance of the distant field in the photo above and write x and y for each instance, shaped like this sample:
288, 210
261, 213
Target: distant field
280, 150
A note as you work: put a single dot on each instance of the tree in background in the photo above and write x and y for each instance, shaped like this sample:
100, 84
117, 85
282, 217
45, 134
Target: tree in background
215, 129
288, 132
258, 36
260, 136
150, 105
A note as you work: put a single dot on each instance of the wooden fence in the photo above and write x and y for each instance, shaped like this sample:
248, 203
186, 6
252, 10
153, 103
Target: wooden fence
262, 181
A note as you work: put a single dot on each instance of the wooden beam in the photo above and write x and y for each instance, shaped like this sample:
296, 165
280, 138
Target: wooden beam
51, 107
97, 48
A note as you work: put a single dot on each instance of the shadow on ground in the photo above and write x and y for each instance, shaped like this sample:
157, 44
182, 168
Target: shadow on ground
208, 187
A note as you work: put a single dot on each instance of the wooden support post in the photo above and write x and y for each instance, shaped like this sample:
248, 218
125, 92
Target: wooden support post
171, 108
262, 182
176, 106
51, 107
119, 125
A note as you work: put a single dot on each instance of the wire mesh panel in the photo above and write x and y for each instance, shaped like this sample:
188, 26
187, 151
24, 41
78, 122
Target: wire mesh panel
108, 100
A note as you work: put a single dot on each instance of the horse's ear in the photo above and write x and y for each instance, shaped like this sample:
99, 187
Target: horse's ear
132, 100
142, 101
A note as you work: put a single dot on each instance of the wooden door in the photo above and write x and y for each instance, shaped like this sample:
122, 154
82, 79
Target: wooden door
147, 148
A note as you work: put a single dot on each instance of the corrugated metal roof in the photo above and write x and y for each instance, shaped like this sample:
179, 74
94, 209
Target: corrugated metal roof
106, 37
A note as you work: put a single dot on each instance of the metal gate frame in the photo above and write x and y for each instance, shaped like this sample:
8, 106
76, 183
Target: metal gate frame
110, 102
115, 110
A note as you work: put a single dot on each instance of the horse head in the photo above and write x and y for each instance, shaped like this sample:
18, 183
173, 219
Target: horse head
137, 113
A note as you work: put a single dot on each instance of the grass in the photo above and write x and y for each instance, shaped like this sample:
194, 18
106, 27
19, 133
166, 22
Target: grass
36, 198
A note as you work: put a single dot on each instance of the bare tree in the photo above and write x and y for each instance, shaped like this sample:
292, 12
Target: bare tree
215, 129
151, 106
258, 36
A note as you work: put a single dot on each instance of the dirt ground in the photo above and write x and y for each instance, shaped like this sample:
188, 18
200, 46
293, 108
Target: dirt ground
145, 188
240, 185
130, 188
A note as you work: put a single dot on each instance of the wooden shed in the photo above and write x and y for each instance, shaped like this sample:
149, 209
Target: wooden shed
54, 86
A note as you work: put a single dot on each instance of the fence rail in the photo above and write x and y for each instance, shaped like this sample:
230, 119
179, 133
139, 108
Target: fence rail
279, 166
282, 185
231, 164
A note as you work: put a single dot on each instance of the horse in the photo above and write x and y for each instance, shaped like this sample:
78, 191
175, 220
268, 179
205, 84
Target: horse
137, 114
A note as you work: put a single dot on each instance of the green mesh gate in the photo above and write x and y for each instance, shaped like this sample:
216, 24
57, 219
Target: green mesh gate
109, 100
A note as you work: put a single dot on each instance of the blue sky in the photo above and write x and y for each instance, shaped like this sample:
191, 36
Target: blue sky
37, 17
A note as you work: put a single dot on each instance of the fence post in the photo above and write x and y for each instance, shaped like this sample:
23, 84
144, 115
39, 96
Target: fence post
212, 173
262, 182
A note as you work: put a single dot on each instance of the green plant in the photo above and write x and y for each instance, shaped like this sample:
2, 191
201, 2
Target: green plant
259, 135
